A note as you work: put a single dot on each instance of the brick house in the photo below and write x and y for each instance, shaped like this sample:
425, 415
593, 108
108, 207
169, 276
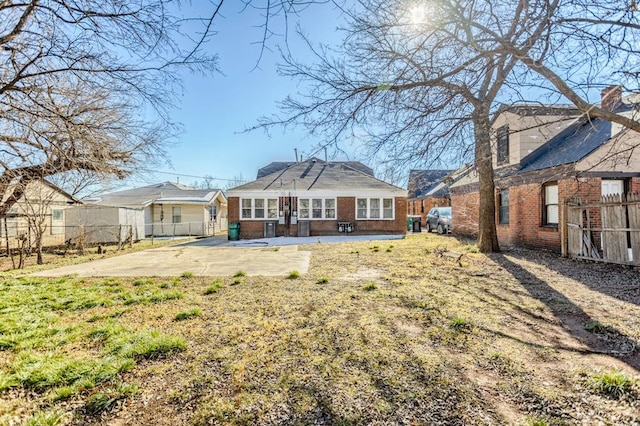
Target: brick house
431, 188
425, 191
542, 161
316, 197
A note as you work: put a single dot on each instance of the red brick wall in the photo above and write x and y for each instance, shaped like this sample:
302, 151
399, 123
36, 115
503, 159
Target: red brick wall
525, 212
346, 213
464, 214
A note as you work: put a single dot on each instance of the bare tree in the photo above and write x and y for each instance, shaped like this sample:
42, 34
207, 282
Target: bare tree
85, 85
421, 81
236, 180
417, 83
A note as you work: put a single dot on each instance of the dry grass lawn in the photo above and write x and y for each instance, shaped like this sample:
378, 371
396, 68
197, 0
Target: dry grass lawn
386, 333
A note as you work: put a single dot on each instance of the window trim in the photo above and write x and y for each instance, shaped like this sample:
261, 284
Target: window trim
502, 138
503, 219
381, 208
545, 212
323, 208
265, 208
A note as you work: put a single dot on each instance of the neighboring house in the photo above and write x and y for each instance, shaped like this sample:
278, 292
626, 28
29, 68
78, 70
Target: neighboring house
92, 225
431, 188
421, 198
537, 169
316, 197
173, 209
41, 209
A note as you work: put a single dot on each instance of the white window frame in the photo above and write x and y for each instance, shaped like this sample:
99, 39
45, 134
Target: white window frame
310, 212
376, 213
551, 205
268, 206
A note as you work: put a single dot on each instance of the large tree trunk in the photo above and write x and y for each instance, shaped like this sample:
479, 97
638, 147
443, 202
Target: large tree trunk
487, 234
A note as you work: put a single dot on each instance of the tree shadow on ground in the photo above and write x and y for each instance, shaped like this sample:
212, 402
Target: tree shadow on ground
572, 317
626, 288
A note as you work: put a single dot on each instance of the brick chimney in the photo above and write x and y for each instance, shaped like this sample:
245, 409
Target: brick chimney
610, 97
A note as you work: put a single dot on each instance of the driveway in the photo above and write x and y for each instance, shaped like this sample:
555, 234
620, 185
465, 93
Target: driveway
201, 261
213, 256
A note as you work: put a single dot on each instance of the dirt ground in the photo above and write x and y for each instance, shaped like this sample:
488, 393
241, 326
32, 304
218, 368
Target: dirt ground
388, 333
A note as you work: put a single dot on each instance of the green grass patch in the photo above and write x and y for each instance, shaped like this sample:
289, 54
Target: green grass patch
293, 275
613, 384
143, 281
47, 418
145, 345
459, 323
471, 248
186, 275
240, 273
214, 287
370, 287
107, 399
185, 315
596, 327
322, 280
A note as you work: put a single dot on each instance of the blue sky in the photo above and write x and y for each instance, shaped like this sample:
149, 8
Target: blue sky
214, 110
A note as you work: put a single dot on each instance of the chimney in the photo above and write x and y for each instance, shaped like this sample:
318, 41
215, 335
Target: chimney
610, 97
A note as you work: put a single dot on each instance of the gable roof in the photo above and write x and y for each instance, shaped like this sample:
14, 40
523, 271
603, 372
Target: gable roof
166, 192
422, 181
317, 175
277, 166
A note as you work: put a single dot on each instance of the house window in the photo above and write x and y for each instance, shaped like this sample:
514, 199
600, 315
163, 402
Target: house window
550, 203
503, 210
316, 208
387, 208
374, 208
321, 208
503, 145
213, 213
422, 206
259, 208
303, 208
362, 208
176, 214
57, 221
272, 208
330, 209
246, 208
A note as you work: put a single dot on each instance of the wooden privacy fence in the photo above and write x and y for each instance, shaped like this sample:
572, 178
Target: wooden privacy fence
607, 230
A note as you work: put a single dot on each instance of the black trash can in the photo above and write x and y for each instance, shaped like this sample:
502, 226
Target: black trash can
417, 227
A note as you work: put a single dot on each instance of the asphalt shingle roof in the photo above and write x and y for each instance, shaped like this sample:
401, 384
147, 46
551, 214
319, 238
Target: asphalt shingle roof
317, 175
571, 145
277, 166
422, 181
160, 192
